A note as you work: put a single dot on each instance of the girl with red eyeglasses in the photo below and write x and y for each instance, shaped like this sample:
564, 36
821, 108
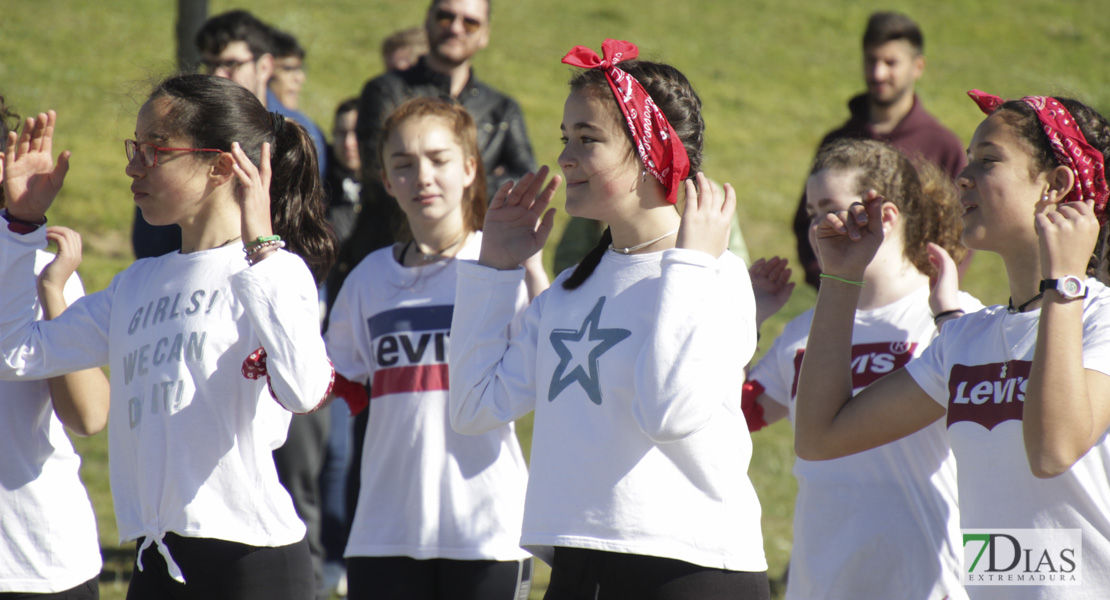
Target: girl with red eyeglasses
211, 348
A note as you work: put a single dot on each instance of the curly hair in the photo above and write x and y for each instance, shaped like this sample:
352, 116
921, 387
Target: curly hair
923, 193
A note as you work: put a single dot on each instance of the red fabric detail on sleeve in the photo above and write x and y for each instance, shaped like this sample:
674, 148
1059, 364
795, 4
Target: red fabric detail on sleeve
354, 394
254, 367
20, 226
753, 411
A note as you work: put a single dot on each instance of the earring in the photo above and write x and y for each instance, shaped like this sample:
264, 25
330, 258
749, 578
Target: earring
1044, 198
643, 175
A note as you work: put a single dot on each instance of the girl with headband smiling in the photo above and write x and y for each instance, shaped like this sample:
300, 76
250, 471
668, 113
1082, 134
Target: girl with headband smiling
638, 485
1024, 388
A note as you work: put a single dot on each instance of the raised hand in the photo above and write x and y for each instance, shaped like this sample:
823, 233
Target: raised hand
772, 286
847, 240
52, 280
944, 287
1067, 237
518, 220
31, 180
707, 217
253, 193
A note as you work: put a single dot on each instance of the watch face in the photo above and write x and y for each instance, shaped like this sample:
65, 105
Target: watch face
1071, 287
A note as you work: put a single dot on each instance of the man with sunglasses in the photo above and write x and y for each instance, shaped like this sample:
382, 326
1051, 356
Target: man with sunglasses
457, 30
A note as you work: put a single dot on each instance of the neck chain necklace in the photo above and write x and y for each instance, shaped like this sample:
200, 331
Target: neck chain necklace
1008, 352
631, 249
438, 254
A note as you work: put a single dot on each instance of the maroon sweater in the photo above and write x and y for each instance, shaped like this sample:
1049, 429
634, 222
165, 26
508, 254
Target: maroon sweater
919, 134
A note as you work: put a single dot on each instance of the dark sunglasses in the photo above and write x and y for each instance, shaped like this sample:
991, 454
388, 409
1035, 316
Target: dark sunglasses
446, 18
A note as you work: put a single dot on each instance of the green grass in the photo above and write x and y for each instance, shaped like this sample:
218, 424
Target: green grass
774, 76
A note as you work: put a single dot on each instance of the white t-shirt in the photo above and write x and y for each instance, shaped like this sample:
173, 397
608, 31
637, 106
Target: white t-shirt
48, 537
883, 523
190, 435
640, 445
962, 370
426, 491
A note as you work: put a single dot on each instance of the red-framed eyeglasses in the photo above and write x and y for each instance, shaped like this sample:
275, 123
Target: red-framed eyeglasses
148, 153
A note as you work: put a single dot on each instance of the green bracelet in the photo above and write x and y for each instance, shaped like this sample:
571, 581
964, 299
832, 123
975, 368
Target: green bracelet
263, 240
842, 280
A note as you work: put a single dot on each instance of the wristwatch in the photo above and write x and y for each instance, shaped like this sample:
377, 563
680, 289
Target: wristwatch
1069, 287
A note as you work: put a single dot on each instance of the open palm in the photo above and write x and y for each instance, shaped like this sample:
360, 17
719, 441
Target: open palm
518, 221
31, 180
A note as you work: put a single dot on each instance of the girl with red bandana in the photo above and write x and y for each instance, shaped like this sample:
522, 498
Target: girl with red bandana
1024, 388
638, 484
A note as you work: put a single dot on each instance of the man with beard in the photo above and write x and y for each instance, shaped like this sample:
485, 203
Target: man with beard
893, 61
457, 30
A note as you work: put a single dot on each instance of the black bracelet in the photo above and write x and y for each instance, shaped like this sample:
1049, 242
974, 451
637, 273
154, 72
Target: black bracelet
947, 313
17, 225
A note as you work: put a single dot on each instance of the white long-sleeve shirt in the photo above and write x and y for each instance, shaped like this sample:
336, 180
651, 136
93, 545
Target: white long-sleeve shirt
639, 444
190, 436
48, 538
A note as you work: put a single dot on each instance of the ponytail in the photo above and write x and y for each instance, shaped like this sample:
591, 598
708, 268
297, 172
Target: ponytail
214, 112
586, 268
297, 198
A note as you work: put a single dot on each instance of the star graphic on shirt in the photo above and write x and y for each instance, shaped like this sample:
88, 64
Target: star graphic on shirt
570, 345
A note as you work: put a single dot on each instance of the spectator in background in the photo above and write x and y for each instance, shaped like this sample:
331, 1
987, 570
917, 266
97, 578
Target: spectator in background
283, 94
402, 49
288, 77
344, 172
889, 111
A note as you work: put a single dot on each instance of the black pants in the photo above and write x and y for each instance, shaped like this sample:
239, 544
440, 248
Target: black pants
90, 590
404, 578
596, 575
219, 570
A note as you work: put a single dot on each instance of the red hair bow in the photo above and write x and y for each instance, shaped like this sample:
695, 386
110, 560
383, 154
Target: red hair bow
659, 148
1069, 145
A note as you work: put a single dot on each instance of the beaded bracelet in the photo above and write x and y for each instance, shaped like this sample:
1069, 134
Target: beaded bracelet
842, 280
263, 240
257, 252
255, 247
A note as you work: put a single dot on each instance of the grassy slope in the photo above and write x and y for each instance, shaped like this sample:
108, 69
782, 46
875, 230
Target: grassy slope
773, 76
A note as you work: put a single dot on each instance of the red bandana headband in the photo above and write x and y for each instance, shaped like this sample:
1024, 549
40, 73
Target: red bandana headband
661, 151
1068, 144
